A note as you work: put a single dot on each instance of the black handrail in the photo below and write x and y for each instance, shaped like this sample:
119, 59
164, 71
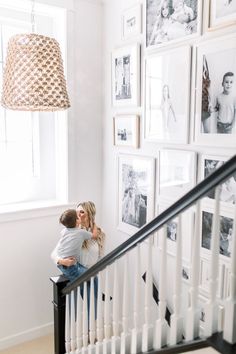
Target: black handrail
217, 177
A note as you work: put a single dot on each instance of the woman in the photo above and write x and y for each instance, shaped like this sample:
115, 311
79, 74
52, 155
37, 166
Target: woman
92, 250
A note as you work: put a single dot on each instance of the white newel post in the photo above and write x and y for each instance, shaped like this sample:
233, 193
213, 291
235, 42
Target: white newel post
212, 307
79, 339
107, 316
115, 345
229, 333
176, 329
67, 325
147, 331
161, 326
193, 316
125, 335
136, 333
100, 330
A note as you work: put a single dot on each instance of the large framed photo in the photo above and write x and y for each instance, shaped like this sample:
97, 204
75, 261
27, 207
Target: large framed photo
131, 22
126, 76
171, 20
167, 91
177, 172
126, 130
222, 12
136, 192
215, 111
209, 164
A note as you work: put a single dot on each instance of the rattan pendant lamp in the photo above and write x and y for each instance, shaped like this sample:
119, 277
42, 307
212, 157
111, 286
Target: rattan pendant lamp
33, 78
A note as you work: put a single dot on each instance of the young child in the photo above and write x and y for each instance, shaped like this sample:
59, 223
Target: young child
70, 244
226, 105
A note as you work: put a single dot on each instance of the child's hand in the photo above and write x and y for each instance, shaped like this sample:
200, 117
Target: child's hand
95, 231
68, 262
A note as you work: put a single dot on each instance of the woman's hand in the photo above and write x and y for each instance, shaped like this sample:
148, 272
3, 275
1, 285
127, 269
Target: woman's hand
68, 262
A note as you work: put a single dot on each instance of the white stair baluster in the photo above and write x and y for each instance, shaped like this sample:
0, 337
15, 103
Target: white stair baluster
212, 307
125, 335
115, 345
147, 330
193, 316
100, 331
79, 320
85, 318
176, 329
107, 316
136, 333
72, 323
161, 326
229, 333
92, 325
67, 325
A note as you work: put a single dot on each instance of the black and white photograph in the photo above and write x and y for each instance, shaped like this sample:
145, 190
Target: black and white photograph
166, 101
136, 190
172, 230
185, 273
226, 233
228, 188
222, 12
177, 172
171, 20
126, 130
126, 75
131, 22
215, 117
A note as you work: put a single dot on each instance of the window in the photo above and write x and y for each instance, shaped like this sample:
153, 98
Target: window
33, 163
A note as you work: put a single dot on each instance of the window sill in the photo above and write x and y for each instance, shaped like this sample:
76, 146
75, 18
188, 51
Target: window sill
21, 211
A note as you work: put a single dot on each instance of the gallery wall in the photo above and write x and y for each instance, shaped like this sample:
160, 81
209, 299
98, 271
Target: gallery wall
192, 147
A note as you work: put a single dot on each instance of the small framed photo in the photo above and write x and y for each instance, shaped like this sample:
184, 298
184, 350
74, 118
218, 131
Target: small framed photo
170, 21
132, 22
209, 164
177, 172
126, 130
126, 76
166, 106
222, 13
215, 109
225, 233
136, 192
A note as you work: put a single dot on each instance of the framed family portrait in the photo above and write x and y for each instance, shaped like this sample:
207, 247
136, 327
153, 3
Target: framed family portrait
209, 164
171, 20
132, 22
177, 170
222, 13
135, 192
126, 76
126, 130
167, 95
225, 233
215, 110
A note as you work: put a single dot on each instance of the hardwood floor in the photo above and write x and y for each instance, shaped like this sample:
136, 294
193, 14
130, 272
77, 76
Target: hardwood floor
42, 345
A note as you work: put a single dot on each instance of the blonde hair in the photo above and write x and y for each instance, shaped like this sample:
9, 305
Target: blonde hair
90, 209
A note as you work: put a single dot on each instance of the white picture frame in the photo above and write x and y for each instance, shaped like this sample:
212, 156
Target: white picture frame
177, 172
136, 175
216, 64
132, 22
167, 103
209, 163
126, 130
126, 76
222, 13
166, 23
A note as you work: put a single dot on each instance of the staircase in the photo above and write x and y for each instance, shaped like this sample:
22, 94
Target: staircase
130, 315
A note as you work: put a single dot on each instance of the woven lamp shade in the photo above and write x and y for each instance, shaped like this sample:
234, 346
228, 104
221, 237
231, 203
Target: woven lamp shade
33, 78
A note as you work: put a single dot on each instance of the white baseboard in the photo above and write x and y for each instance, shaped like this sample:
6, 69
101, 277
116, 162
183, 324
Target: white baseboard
26, 336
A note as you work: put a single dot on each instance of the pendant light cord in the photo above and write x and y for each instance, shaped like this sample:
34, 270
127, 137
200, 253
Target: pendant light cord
33, 15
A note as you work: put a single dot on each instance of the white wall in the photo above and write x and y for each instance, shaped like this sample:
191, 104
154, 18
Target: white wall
27, 238
112, 39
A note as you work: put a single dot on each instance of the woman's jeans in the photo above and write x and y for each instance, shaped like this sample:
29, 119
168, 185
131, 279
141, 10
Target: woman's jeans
75, 271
